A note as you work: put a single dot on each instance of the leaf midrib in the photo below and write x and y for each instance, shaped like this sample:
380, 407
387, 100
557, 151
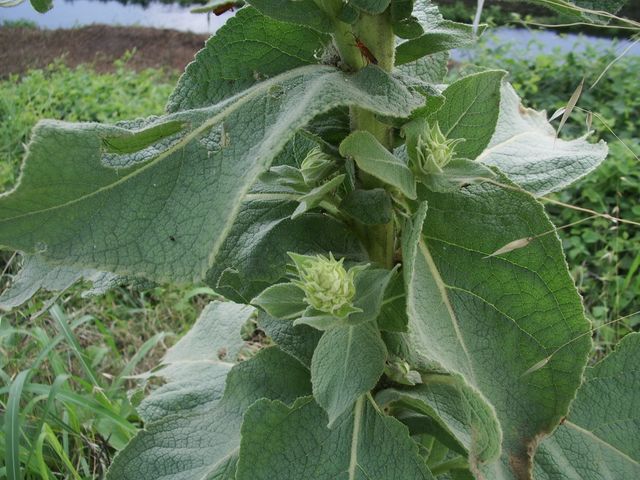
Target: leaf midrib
234, 102
442, 288
487, 151
463, 114
357, 420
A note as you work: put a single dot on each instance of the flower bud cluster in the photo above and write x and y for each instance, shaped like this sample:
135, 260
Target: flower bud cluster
316, 166
434, 151
327, 285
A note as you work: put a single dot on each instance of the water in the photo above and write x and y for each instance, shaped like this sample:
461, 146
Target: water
528, 44
68, 14
86, 12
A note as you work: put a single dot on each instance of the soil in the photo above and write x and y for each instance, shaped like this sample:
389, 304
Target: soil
25, 48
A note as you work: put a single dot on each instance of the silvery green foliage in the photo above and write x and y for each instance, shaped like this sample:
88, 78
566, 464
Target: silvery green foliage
381, 228
36, 274
525, 147
159, 197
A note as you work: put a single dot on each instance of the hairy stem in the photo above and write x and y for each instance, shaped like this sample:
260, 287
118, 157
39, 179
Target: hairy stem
375, 34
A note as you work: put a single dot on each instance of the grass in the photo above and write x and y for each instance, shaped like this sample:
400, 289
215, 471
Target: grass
20, 23
69, 372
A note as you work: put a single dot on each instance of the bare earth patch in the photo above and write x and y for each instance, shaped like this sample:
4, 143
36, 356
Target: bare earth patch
24, 48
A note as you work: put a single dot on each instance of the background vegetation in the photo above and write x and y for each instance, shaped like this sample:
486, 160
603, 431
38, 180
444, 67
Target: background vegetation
510, 12
70, 366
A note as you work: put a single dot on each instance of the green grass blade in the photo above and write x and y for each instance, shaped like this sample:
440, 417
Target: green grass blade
140, 354
45, 473
55, 444
68, 418
107, 337
49, 344
632, 271
13, 331
61, 319
12, 427
57, 384
84, 402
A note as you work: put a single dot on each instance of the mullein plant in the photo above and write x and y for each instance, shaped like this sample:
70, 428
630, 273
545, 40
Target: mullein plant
314, 170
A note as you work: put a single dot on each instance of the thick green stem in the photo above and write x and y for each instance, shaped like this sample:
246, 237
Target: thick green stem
376, 33
373, 32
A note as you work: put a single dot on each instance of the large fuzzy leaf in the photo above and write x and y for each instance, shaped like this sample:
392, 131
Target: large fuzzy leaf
370, 207
299, 341
292, 443
526, 149
266, 46
440, 35
599, 438
393, 314
158, 197
372, 157
36, 275
470, 111
347, 363
196, 366
212, 77
430, 69
192, 429
458, 409
255, 253
512, 324
297, 12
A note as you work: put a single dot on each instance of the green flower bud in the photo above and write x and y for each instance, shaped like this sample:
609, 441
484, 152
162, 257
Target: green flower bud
434, 151
399, 371
316, 166
327, 285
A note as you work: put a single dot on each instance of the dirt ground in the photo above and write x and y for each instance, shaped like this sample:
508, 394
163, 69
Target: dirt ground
24, 48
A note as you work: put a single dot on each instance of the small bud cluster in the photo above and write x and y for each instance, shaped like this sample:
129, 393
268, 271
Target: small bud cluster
398, 370
327, 285
434, 151
316, 166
